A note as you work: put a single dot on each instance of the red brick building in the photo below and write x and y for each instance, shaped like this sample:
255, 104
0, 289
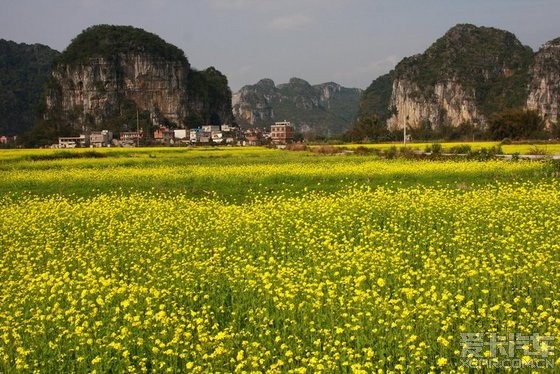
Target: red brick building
281, 132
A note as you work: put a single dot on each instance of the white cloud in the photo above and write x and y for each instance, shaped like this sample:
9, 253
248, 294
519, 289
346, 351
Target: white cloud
291, 22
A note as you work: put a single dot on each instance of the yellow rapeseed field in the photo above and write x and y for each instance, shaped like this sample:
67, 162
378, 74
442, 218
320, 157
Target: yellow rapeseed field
361, 279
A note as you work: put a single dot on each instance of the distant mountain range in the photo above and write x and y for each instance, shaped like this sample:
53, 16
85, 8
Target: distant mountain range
322, 110
108, 72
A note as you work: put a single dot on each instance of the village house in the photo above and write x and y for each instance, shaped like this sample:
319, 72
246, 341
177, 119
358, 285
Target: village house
253, 136
194, 136
163, 135
8, 141
282, 132
73, 141
130, 138
100, 138
180, 134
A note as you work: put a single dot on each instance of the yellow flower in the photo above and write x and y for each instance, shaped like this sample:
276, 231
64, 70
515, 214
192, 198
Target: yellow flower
240, 355
96, 360
441, 362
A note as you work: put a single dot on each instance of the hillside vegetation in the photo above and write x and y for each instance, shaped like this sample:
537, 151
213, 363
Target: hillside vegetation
24, 70
108, 41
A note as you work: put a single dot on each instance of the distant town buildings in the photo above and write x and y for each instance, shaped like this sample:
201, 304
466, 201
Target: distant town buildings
280, 133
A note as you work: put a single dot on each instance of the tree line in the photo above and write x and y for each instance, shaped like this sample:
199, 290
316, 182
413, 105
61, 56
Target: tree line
512, 123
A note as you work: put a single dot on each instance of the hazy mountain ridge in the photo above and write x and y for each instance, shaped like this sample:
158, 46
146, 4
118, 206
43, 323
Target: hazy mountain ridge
322, 109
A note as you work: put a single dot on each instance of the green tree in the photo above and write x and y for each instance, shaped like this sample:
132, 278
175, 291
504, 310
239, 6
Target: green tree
369, 128
516, 123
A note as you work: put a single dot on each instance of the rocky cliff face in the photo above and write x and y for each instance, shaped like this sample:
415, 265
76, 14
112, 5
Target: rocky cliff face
544, 87
324, 109
91, 92
252, 104
448, 103
108, 73
463, 77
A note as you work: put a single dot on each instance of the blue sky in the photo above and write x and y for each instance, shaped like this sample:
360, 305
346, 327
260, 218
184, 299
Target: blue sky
350, 42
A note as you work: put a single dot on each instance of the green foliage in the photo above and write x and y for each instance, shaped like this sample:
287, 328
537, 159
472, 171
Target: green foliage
391, 152
24, 69
536, 150
460, 149
375, 99
367, 129
108, 41
62, 155
515, 123
436, 148
125, 119
209, 97
555, 130
485, 154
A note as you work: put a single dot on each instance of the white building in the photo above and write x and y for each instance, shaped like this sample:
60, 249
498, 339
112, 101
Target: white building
73, 141
210, 128
180, 134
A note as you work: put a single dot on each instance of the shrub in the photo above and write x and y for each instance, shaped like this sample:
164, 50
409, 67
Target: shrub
391, 152
436, 148
327, 150
536, 150
297, 147
460, 149
361, 150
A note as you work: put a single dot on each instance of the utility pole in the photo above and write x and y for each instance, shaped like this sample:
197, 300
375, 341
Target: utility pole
404, 131
137, 130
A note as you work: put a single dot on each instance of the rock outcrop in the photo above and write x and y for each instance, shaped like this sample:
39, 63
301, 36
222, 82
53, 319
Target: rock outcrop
544, 87
108, 73
463, 77
323, 109
91, 93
